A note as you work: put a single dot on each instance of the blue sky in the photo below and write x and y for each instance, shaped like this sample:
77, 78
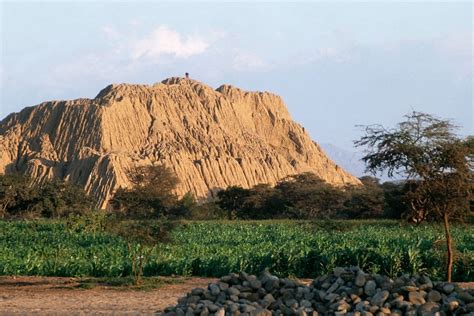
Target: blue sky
336, 64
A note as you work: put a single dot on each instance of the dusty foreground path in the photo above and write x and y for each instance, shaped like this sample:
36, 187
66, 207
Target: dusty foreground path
61, 296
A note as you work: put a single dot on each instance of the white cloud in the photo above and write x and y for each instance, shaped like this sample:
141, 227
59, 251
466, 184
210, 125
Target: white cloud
135, 22
126, 55
164, 41
324, 54
247, 61
454, 50
110, 32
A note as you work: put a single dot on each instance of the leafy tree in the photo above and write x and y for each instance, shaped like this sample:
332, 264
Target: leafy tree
185, 206
208, 210
365, 201
307, 196
151, 195
15, 192
21, 197
436, 162
232, 200
141, 237
93, 222
261, 202
57, 199
395, 205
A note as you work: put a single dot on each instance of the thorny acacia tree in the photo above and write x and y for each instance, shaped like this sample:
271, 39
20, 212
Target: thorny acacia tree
437, 164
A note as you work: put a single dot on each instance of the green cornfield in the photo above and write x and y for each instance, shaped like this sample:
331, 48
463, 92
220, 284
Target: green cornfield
214, 248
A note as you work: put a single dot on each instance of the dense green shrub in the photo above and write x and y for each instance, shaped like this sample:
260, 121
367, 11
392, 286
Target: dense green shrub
206, 211
20, 197
306, 196
151, 194
366, 201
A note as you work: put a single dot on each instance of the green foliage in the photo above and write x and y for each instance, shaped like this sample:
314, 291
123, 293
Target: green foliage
57, 199
144, 232
231, 200
215, 248
141, 237
20, 197
366, 201
15, 194
307, 196
151, 197
304, 196
261, 202
185, 207
151, 194
395, 203
94, 222
207, 211
435, 161
437, 164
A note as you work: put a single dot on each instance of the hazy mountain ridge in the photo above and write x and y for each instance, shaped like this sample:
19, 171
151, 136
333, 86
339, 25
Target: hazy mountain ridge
353, 163
349, 160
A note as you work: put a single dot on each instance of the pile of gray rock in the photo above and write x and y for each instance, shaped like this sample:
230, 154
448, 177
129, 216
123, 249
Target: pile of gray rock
346, 291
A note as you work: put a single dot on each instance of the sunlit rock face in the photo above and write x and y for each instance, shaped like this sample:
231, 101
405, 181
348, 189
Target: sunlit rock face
210, 138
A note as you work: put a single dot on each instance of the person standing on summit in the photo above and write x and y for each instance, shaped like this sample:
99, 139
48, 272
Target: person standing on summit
186, 75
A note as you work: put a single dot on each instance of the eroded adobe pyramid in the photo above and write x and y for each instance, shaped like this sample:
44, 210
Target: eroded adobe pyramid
210, 138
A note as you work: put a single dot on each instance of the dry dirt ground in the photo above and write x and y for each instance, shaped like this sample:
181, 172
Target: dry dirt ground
63, 296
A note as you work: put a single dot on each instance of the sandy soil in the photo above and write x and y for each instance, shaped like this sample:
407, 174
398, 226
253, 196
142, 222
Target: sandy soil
60, 296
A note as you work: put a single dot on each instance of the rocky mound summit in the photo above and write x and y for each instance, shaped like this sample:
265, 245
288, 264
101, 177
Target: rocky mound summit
210, 138
346, 291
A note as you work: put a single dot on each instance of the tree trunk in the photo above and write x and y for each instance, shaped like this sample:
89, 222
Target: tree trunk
449, 246
3, 212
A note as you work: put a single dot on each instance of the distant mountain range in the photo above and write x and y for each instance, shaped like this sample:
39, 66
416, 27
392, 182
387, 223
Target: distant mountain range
348, 160
351, 161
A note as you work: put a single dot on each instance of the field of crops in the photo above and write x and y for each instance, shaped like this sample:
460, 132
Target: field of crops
299, 249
